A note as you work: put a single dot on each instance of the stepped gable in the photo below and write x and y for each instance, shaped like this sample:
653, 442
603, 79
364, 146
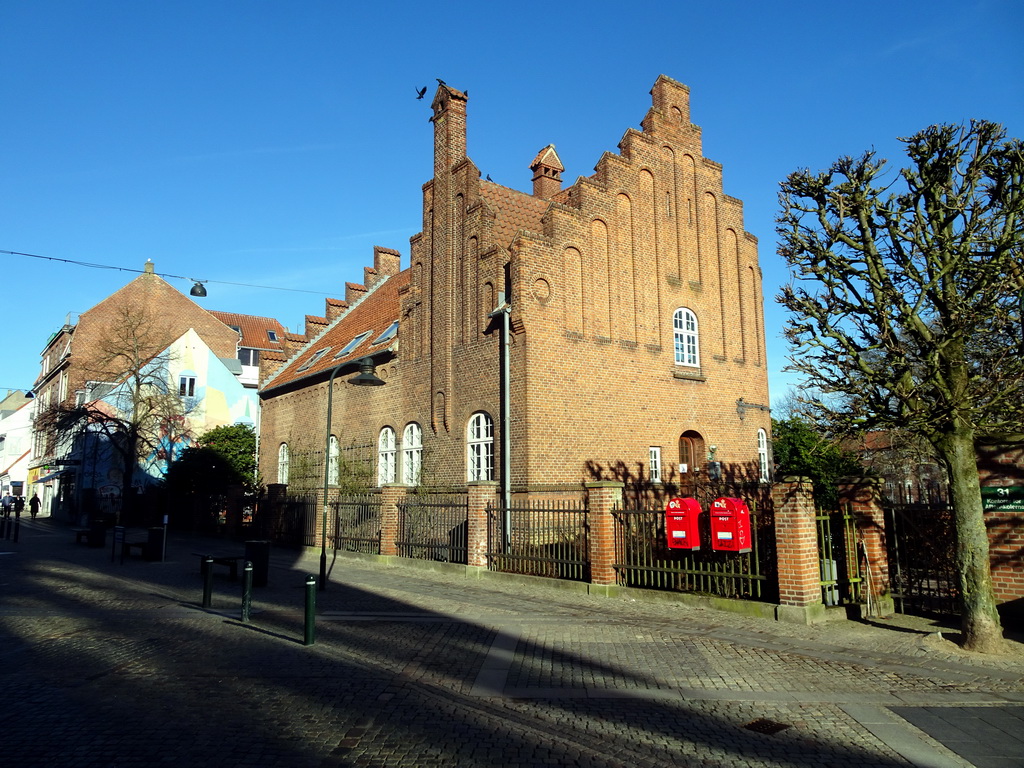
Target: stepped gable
333, 308
374, 313
514, 211
315, 325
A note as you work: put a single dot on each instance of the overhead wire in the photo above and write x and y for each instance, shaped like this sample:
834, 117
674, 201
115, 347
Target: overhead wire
162, 274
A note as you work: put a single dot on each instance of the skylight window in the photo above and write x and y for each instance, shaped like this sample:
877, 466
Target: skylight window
272, 335
313, 360
388, 334
352, 344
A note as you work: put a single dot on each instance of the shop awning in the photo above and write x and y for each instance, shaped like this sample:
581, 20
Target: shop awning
52, 475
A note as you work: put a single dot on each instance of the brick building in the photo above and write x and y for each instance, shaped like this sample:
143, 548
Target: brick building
85, 362
612, 329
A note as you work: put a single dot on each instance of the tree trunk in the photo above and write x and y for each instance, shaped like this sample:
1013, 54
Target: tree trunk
982, 630
127, 490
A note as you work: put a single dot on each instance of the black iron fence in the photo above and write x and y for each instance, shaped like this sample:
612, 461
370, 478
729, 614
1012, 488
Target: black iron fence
539, 538
921, 543
643, 558
357, 523
297, 525
433, 528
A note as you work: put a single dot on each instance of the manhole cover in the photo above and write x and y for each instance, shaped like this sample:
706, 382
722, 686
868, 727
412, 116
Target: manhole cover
761, 725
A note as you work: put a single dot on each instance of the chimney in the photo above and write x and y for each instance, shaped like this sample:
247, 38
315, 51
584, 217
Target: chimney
547, 169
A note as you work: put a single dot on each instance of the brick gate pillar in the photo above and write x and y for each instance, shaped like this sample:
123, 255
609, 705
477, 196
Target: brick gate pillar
796, 542
481, 493
391, 495
863, 497
602, 498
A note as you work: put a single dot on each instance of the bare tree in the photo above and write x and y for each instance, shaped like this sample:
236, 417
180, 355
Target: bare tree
132, 402
905, 310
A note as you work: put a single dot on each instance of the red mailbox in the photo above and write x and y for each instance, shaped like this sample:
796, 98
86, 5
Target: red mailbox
730, 525
681, 524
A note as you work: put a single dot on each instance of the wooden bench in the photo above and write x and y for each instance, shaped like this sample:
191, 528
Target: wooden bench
228, 560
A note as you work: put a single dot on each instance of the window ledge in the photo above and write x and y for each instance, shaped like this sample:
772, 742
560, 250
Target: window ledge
694, 375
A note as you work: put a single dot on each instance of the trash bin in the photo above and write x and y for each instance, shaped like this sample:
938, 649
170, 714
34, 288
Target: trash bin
258, 553
97, 536
155, 543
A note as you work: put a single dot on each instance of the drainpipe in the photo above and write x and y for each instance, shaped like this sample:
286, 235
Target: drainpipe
504, 311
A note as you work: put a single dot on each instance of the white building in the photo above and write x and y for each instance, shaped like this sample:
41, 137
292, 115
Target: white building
16, 445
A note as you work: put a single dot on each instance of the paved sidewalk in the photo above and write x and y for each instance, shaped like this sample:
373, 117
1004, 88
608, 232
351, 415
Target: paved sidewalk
110, 664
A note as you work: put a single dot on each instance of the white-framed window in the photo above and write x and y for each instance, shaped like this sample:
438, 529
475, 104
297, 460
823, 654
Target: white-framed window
333, 461
685, 338
283, 462
187, 386
762, 456
412, 453
386, 455
248, 356
655, 463
480, 447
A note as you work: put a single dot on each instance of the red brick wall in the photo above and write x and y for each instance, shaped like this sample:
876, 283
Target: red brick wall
594, 382
1004, 467
796, 540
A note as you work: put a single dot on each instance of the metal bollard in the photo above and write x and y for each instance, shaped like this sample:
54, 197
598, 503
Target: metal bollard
207, 582
310, 610
17, 526
246, 591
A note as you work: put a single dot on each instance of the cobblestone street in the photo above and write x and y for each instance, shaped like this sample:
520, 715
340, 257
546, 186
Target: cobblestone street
111, 664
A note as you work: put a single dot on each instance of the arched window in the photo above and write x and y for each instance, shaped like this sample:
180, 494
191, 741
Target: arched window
685, 338
333, 461
386, 456
282, 464
480, 448
762, 456
412, 453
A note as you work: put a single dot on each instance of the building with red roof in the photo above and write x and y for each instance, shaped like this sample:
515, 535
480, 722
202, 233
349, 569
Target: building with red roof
610, 330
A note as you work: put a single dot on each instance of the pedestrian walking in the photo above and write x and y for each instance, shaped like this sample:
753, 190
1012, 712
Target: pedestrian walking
19, 505
33, 506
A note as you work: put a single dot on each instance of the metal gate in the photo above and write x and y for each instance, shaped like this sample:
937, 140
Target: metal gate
298, 522
434, 529
543, 538
838, 558
921, 543
357, 524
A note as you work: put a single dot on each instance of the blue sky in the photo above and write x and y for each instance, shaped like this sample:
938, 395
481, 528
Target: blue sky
275, 143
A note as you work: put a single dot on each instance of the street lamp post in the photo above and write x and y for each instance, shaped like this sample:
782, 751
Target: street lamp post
366, 377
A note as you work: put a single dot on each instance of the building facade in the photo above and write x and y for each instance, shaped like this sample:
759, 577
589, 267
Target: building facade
146, 353
15, 443
610, 330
